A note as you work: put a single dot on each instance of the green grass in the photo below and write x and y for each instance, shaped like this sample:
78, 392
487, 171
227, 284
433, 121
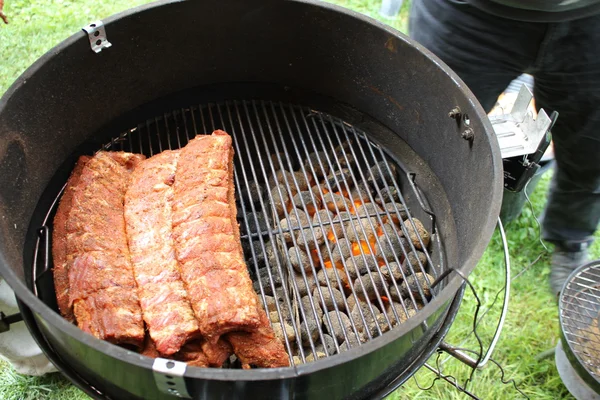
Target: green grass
531, 325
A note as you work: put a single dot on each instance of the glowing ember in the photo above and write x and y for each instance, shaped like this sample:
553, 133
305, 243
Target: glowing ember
331, 236
356, 248
328, 264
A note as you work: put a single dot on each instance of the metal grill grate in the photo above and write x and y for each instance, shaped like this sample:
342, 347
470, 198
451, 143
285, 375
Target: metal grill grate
580, 317
269, 137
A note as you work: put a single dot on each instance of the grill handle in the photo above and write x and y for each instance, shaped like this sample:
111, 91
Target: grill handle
6, 322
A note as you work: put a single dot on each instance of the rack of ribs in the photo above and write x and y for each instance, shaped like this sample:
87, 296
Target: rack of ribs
102, 289
166, 309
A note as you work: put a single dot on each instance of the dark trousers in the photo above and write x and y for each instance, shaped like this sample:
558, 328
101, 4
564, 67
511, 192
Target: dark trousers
488, 52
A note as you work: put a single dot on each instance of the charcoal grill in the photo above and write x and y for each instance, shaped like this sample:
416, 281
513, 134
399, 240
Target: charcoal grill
385, 106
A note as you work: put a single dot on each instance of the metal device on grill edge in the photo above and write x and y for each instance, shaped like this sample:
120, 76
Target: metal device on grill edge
578, 352
155, 11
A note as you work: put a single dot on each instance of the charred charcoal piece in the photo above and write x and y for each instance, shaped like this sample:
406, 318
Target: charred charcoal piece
331, 274
304, 286
337, 329
391, 230
362, 229
380, 322
341, 251
336, 202
293, 221
402, 314
392, 272
368, 210
299, 259
330, 302
352, 302
311, 356
353, 341
280, 200
284, 161
388, 195
416, 258
391, 209
413, 283
339, 181
322, 169
268, 304
253, 195
296, 180
338, 226
304, 201
309, 330
414, 235
370, 317
374, 288
307, 306
382, 174
387, 249
327, 343
283, 330
312, 238
360, 194
326, 217
359, 265
255, 225
266, 283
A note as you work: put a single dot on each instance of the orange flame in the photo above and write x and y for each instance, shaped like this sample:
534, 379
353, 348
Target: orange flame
356, 248
328, 264
331, 236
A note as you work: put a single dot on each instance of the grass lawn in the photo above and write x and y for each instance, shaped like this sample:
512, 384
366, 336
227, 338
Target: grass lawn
531, 326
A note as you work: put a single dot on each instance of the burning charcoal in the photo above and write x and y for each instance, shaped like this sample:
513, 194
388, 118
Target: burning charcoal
382, 174
331, 274
309, 330
374, 288
402, 314
353, 341
280, 199
325, 217
253, 194
336, 202
279, 329
391, 230
368, 210
341, 251
283, 314
387, 249
391, 209
330, 302
415, 282
359, 265
392, 272
343, 147
303, 182
380, 322
360, 194
363, 229
338, 226
299, 259
266, 283
296, 180
420, 232
312, 238
304, 286
309, 313
388, 195
292, 222
304, 201
414, 258
321, 169
339, 181
255, 225
269, 304
369, 317
336, 329
327, 343
311, 356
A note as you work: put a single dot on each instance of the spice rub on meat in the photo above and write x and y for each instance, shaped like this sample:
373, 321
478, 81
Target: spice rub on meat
102, 289
207, 240
165, 306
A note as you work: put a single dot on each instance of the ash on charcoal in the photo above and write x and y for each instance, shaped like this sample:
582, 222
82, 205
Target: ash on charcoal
331, 274
309, 313
388, 247
336, 329
359, 265
380, 322
254, 194
362, 229
368, 210
283, 330
370, 317
290, 223
326, 344
339, 181
299, 259
337, 299
360, 194
390, 230
255, 225
326, 217
304, 201
341, 251
280, 199
414, 235
266, 283
382, 174
374, 288
309, 330
311, 237
304, 286
320, 169
401, 211
413, 283
388, 195
402, 314
311, 356
392, 272
336, 202
353, 341
285, 316
338, 225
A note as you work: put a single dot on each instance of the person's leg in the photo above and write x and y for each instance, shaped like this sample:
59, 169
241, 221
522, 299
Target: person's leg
486, 51
567, 79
